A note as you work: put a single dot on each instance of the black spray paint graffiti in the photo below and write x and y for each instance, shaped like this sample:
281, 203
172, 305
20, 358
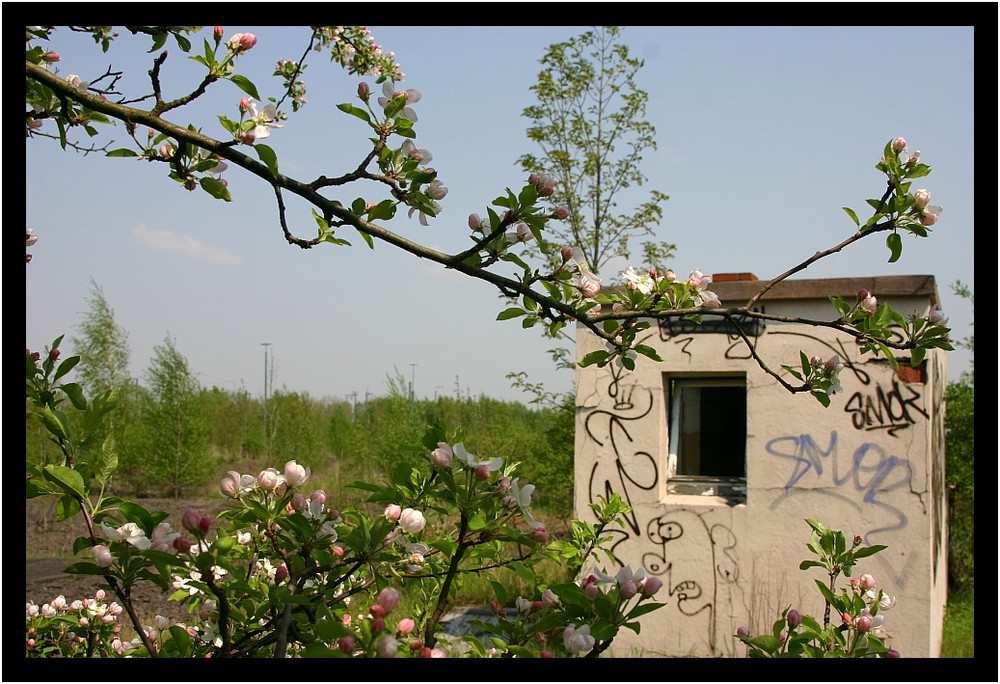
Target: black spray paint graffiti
693, 578
681, 331
885, 410
875, 407
684, 565
631, 469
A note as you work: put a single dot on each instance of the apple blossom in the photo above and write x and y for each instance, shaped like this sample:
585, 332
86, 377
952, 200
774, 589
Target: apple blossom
540, 535
269, 479
794, 618
405, 626
241, 42
936, 316
392, 512
899, 144
869, 303
643, 282
102, 555
866, 581
578, 639
650, 585
411, 520
265, 120
921, 198
470, 462
862, 623
388, 598
476, 223
296, 475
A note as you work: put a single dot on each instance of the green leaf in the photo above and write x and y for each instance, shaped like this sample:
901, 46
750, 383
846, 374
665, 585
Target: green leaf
918, 356
354, 111
75, 394
215, 188
510, 313
866, 551
122, 152
267, 156
84, 568
67, 478
895, 244
244, 84
854, 217
593, 357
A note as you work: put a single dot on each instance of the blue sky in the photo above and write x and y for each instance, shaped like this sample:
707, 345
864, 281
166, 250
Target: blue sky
763, 135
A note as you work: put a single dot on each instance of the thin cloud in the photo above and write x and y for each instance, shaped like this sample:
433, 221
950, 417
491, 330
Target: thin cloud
169, 241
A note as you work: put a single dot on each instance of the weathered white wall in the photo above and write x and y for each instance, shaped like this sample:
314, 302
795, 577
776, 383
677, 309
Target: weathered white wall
869, 464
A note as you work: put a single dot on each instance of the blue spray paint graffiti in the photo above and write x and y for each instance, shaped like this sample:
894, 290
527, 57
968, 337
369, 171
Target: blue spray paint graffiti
871, 472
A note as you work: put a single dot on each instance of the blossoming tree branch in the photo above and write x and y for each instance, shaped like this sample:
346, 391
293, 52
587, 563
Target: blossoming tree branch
553, 298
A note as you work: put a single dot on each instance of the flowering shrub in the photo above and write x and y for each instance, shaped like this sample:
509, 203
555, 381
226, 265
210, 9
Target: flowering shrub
858, 607
282, 572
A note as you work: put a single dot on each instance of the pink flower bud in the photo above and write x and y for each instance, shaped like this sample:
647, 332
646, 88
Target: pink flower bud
388, 598
546, 653
857, 539
443, 455
863, 623
247, 138
230, 485
628, 589
392, 512
869, 303
191, 520
51, 57
867, 582
280, 573
377, 611
650, 585
794, 618
346, 644
921, 198
102, 555
566, 252
482, 472
928, 218
892, 653
561, 213
296, 475
166, 150
378, 625
405, 626
540, 535
387, 647
899, 144
268, 479
364, 90
863, 293
845, 617
204, 524
743, 631
475, 222
591, 590
411, 520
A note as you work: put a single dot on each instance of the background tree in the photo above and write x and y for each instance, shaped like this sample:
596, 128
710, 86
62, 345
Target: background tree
104, 365
179, 437
589, 123
590, 127
960, 425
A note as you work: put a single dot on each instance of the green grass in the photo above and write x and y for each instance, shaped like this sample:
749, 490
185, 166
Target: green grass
959, 627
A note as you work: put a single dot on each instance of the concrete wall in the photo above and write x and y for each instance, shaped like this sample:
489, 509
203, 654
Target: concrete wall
871, 464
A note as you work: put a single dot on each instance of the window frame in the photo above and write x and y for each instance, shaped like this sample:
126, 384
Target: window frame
731, 488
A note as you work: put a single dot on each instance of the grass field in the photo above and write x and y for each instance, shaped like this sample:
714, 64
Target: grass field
959, 627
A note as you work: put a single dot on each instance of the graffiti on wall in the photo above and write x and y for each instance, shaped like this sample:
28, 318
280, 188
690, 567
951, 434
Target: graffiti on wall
672, 546
889, 405
865, 476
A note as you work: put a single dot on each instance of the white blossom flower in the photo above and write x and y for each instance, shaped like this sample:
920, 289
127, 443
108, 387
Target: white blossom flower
643, 282
129, 532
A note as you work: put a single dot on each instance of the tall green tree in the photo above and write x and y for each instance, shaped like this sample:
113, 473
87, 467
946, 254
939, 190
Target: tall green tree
179, 446
960, 476
590, 124
103, 347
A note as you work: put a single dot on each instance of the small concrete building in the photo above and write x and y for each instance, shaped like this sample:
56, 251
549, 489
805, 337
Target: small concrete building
722, 466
